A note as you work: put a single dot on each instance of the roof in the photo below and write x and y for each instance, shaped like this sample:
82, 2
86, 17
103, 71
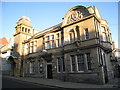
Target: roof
3, 41
46, 30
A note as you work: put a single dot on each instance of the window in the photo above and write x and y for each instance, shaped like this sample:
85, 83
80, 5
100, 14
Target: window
28, 30
86, 34
28, 48
52, 37
22, 28
73, 62
78, 32
80, 62
58, 42
70, 37
63, 64
32, 47
25, 29
43, 43
48, 45
35, 46
47, 38
32, 67
104, 33
88, 61
62, 41
53, 44
58, 35
104, 36
58, 64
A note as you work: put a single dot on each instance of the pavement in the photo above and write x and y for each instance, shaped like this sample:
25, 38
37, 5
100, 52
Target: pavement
67, 85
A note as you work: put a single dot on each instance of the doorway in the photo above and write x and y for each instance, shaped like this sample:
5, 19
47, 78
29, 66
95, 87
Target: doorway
49, 71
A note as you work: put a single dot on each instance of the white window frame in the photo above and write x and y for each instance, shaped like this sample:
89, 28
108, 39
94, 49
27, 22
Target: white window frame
87, 62
77, 63
58, 65
72, 64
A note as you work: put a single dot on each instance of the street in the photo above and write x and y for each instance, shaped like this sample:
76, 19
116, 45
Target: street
13, 83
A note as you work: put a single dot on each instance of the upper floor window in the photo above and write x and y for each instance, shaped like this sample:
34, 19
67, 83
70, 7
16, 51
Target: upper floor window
78, 32
48, 45
48, 38
28, 30
52, 37
32, 47
104, 33
62, 41
25, 29
86, 34
53, 44
22, 28
58, 35
71, 36
58, 42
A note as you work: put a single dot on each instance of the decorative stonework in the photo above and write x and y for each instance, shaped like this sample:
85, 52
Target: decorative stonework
74, 16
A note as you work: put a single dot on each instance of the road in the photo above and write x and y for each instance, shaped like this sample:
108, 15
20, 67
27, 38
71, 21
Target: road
13, 83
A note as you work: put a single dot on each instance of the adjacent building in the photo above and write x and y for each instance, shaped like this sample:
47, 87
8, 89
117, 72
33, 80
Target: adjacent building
116, 59
5, 53
79, 49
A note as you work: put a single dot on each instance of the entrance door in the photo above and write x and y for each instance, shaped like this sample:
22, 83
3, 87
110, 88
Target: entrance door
106, 75
49, 71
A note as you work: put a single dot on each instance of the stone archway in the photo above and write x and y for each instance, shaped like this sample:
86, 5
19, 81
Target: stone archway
11, 60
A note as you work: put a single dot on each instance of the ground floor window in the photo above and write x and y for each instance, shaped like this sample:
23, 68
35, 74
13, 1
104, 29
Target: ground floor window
63, 64
73, 62
58, 64
32, 67
88, 61
80, 62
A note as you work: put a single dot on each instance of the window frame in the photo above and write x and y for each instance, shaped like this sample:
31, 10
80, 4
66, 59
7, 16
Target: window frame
86, 31
73, 63
80, 62
58, 65
89, 68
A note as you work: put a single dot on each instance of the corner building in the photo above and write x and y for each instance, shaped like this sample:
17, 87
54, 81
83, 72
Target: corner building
78, 49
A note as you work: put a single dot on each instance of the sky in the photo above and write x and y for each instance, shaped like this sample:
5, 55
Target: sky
46, 14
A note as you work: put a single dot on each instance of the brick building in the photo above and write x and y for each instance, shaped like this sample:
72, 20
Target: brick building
78, 49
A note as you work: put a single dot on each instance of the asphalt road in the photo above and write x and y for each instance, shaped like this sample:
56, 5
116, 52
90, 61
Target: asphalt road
13, 83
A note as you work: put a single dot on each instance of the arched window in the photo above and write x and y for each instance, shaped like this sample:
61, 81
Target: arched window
78, 32
71, 36
104, 33
28, 30
22, 28
86, 34
25, 29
